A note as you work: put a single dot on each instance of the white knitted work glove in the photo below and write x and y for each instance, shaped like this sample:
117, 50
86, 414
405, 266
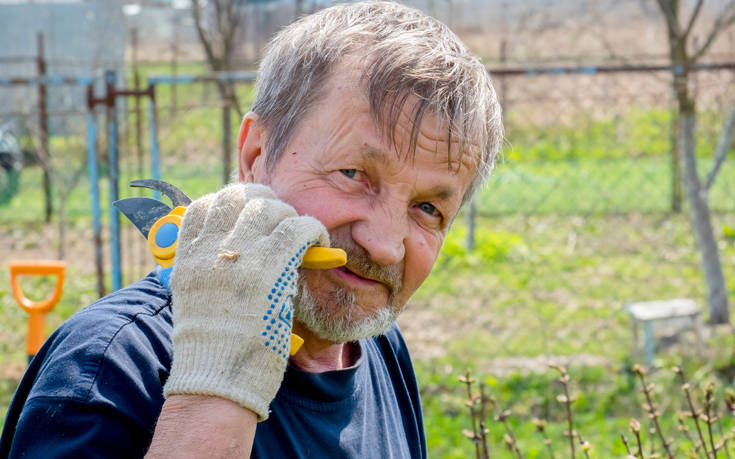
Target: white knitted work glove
232, 285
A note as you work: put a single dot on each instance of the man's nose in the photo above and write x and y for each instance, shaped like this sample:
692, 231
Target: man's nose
382, 234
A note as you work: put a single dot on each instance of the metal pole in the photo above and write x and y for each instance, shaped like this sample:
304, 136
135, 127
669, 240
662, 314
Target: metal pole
45, 157
648, 344
174, 60
155, 152
95, 190
138, 114
113, 173
134, 246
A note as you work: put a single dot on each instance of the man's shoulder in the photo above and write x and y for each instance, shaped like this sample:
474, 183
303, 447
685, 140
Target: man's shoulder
392, 342
146, 296
108, 339
394, 373
395, 337
389, 353
99, 376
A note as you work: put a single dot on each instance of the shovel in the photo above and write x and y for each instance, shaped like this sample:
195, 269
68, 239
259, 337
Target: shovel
36, 310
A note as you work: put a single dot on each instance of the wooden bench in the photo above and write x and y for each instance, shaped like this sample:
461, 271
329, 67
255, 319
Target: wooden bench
669, 316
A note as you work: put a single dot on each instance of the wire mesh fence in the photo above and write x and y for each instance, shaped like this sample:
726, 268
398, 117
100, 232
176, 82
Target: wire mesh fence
584, 213
578, 145
599, 144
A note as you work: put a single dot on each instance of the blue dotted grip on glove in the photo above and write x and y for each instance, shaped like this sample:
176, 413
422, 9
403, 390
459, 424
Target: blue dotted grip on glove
279, 317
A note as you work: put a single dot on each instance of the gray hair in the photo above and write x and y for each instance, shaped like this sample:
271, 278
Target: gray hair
407, 55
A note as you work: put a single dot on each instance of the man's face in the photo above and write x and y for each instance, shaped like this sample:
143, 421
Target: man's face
389, 211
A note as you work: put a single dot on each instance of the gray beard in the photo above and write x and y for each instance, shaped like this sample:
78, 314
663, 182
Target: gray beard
336, 322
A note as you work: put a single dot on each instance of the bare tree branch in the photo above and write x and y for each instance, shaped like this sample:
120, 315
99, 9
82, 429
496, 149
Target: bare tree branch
218, 28
724, 20
196, 10
723, 146
671, 16
220, 8
693, 18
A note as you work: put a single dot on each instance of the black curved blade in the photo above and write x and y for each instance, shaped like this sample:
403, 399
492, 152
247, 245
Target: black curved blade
143, 212
178, 197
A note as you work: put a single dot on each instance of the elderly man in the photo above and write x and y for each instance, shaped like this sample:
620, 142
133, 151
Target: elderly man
372, 124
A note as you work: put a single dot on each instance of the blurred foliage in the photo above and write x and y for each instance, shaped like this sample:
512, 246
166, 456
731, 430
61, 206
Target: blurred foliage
490, 247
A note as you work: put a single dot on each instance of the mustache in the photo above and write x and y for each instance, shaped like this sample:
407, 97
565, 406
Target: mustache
360, 263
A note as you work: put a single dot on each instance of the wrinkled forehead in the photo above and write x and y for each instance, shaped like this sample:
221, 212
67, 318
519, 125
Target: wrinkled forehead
433, 133
403, 122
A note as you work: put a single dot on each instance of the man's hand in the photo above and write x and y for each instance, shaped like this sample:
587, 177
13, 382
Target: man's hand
232, 285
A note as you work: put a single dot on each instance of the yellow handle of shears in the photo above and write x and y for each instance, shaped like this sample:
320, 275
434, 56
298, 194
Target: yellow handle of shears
163, 240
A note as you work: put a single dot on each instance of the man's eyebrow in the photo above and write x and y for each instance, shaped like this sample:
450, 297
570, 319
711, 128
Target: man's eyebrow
374, 154
442, 192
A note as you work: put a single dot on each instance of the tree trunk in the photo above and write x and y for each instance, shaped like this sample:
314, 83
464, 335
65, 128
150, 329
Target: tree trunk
676, 191
701, 221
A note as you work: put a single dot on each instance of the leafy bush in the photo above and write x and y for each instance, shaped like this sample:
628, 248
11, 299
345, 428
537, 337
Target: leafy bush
490, 247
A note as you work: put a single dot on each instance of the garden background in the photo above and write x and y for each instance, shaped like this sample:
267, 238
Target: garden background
585, 212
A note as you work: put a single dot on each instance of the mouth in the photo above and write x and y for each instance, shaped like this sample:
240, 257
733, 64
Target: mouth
350, 277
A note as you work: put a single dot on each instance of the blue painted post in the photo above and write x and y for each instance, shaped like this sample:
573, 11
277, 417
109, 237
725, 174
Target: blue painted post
155, 152
95, 191
113, 173
648, 344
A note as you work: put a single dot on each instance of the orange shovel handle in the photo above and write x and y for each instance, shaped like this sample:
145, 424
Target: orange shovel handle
37, 310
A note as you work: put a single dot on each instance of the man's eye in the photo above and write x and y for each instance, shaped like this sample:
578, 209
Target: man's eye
428, 208
349, 173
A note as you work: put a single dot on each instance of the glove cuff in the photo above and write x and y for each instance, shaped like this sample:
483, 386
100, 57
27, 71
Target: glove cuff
201, 367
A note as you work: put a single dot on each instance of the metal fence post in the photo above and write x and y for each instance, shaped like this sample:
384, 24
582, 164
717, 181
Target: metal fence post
95, 190
138, 113
155, 152
45, 156
175, 26
113, 173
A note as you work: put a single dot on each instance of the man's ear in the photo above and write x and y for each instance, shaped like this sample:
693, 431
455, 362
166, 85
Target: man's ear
250, 142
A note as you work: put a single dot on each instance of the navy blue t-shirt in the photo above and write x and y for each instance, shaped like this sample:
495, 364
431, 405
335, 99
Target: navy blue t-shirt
95, 389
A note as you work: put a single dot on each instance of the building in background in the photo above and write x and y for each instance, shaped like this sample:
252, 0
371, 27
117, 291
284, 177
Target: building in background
80, 38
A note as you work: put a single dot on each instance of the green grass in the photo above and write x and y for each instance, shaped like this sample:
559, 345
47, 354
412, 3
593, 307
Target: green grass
525, 293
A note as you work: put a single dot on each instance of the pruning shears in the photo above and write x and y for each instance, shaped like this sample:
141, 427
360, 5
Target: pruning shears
160, 225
